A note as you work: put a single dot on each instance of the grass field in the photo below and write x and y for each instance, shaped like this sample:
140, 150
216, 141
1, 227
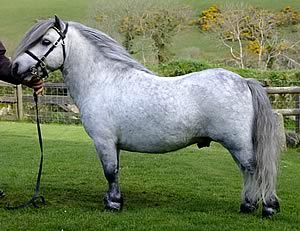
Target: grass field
17, 16
190, 189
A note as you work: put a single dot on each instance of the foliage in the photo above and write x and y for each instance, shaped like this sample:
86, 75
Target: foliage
269, 78
161, 25
209, 16
185, 190
182, 67
252, 33
288, 16
130, 28
213, 15
55, 77
156, 22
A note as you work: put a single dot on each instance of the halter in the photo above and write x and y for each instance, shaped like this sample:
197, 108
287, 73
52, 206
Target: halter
41, 61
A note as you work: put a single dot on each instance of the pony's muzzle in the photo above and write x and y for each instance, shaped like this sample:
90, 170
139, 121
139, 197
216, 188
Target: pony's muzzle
15, 71
24, 75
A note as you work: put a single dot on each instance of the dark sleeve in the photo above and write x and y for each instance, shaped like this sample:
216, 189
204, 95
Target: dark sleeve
5, 67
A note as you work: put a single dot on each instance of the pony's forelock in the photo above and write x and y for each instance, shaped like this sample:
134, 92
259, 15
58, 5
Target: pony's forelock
33, 35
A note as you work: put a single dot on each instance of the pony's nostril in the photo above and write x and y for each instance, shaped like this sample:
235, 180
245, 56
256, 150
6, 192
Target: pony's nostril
15, 69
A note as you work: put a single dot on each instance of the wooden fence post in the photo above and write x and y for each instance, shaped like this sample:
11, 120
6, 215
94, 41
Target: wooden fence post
19, 102
297, 106
281, 131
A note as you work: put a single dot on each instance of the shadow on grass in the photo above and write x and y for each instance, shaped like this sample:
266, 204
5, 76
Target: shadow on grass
87, 198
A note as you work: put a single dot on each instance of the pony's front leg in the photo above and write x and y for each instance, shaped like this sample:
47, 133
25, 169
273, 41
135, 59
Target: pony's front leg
109, 156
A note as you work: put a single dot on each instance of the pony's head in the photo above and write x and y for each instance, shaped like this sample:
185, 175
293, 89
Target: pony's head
41, 50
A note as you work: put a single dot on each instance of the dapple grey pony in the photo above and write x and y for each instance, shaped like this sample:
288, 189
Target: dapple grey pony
124, 106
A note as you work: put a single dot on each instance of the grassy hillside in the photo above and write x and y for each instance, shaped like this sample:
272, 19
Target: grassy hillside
269, 4
17, 16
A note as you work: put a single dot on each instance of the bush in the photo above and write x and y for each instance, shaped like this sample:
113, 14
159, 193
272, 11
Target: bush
208, 17
181, 67
269, 78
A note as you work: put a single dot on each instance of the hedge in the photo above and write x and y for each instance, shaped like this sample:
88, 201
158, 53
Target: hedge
269, 78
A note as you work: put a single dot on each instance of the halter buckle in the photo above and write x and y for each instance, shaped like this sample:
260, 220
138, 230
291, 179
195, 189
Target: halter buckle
42, 64
34, 70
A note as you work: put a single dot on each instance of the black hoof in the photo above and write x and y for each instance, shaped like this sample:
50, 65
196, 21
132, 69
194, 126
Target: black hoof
113, 205
2, 194
270, 210
248, 208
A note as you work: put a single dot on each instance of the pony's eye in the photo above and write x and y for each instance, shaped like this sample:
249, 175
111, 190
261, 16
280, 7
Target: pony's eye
46, 42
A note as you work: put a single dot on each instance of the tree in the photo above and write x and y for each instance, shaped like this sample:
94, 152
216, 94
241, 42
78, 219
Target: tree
252, 36
130, 28
153, 22
161, 25
264, 35
231, 29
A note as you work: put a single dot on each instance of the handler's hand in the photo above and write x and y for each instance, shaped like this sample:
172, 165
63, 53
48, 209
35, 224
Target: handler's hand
36, 84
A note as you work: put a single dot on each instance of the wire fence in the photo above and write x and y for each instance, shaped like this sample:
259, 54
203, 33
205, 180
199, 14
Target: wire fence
56, 106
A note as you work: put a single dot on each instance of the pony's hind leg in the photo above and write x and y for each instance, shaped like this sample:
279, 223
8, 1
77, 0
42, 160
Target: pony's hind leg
245, 160
250, 193
251, 196
270, 207
109, 156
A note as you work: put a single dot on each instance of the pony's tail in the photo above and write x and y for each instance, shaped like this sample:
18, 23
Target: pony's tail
265, 142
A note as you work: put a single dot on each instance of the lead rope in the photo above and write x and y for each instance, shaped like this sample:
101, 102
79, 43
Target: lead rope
36, 200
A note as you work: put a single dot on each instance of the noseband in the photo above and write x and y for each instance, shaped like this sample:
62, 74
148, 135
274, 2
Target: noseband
41, 61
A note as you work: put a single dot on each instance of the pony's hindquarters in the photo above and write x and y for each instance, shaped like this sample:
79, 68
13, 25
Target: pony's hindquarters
266, 151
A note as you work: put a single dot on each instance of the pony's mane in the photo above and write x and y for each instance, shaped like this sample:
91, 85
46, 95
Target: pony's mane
109, 47
104, 44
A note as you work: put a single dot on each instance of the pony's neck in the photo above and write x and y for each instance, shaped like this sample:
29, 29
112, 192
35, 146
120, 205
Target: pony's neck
86, 68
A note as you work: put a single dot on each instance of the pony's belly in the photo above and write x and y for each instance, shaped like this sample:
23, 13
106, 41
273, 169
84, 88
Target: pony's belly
155, 145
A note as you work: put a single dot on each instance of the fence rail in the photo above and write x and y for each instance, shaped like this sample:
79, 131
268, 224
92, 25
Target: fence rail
283, 90
61, 105
295, 91
287, 90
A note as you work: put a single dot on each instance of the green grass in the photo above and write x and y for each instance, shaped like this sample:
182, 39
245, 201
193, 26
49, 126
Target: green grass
190, 189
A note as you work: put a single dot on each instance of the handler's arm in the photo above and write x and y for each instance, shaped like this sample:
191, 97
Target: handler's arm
5, 74
5, 67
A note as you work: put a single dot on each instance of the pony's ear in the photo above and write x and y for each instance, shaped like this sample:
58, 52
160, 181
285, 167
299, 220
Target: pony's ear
57, 22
